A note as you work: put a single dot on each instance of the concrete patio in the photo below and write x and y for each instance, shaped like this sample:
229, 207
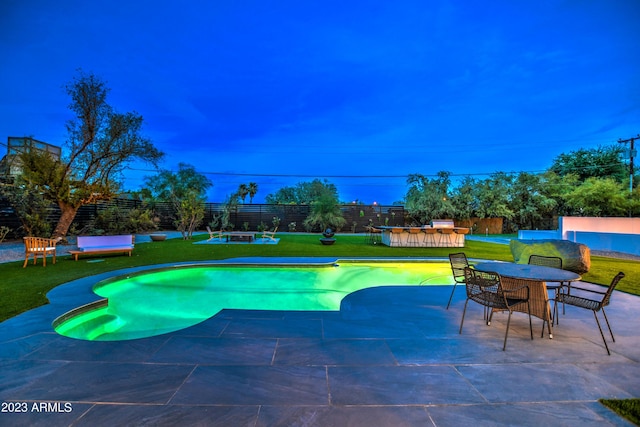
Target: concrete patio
391, 357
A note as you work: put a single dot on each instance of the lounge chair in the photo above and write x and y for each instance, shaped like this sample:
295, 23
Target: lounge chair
215, 234
270, 235
34, 246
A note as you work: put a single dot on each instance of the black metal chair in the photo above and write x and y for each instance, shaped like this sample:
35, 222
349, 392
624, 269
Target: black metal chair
594, 304
458, 263
485, 288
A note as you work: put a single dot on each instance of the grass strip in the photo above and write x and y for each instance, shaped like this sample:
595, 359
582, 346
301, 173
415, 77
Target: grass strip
626, 408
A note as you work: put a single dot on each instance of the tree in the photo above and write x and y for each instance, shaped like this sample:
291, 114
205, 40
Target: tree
429, 199
304, 193
528, 202
492, 196
464, 198
253, 189
599, 197
242, 192
185, 191
29, 205
284, 196
101, 142
325, 213
601, 162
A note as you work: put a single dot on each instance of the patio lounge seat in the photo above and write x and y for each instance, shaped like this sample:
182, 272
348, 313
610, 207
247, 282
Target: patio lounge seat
485, 288
34, 246
269, 235
588, 299
214, 234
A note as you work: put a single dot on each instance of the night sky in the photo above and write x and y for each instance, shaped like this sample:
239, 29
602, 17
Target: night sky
362, 93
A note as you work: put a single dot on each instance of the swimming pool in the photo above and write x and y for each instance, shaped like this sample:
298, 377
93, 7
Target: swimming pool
162, 301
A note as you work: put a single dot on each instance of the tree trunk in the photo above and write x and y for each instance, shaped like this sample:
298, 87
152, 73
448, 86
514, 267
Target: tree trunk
67, 215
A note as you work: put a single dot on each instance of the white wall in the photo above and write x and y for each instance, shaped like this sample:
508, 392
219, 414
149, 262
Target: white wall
601, 225
602, 234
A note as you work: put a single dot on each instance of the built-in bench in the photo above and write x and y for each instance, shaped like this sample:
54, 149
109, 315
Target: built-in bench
103, 244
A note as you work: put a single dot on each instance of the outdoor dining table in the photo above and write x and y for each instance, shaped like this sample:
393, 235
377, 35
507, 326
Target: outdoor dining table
535, 276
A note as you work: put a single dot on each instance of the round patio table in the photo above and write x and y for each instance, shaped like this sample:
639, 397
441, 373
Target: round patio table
513, 275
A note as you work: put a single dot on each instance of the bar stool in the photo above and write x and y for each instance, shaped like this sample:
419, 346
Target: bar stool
445, 233
412, 238
376, 235
396, 238
429, 237
460, 232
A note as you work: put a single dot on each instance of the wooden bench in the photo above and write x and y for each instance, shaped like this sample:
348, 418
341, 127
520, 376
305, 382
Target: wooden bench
103, 244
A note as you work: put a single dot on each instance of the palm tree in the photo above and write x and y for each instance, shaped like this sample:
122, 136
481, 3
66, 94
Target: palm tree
243, 190
253, 189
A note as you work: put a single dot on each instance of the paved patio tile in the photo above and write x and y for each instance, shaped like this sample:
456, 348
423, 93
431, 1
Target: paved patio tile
400, 385
353, 416
216, 351
310, 352
537, 383
255, 385
274, 328
170, 415
46, 418
70, 349
106, 382
529, 414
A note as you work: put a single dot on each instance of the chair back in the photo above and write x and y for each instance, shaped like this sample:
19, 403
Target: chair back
607, 295
546, 261
39, 244
458, 263
484, 288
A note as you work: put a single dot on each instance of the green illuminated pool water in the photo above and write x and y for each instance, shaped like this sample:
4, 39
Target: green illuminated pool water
163, 301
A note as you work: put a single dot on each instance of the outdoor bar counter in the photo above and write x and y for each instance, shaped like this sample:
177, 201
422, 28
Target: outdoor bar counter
446, 236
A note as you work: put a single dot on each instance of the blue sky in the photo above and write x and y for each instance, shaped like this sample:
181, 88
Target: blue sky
362, 93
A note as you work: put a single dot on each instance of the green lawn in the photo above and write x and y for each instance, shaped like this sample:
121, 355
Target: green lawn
25, 288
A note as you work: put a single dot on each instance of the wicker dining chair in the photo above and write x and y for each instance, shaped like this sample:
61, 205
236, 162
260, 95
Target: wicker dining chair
458, 263
485, 288
581, 299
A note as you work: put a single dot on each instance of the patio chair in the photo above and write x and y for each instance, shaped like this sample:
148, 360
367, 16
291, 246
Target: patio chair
269, 235
34, 246
555, 262
458, 263
588, 299
485, 288
214, 234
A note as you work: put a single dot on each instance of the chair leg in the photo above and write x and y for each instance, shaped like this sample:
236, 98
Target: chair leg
463, 313
451, 297
608, 325
601, 333
506, 334
530, 323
